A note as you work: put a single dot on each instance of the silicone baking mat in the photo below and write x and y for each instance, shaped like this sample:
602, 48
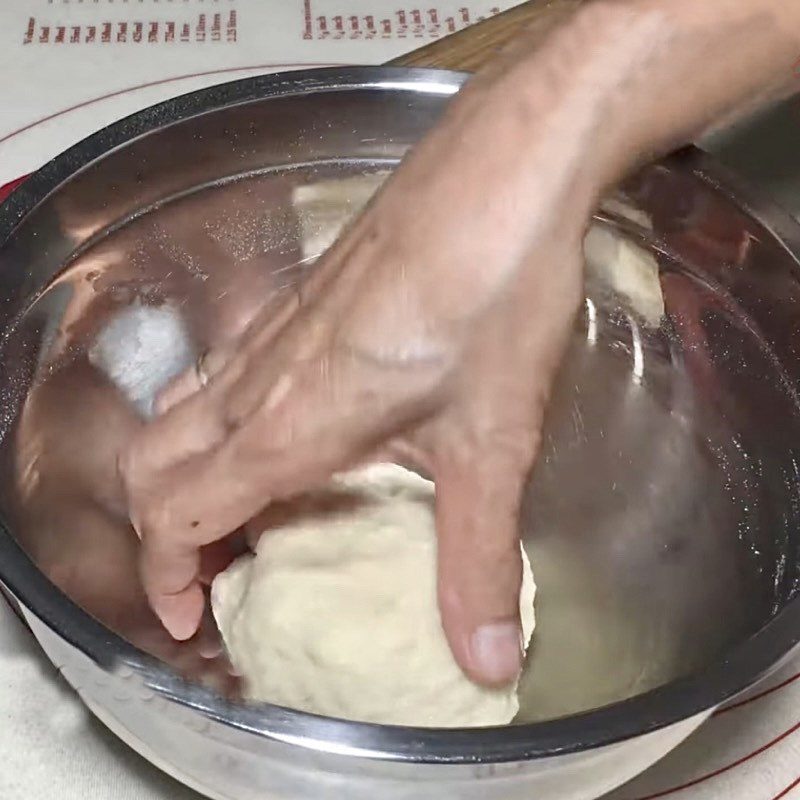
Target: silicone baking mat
72, 66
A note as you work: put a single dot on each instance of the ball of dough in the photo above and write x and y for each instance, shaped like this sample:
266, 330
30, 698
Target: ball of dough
337, 613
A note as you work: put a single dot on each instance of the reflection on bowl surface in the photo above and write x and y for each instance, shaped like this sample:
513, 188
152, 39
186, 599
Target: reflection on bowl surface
658, 517
662, 516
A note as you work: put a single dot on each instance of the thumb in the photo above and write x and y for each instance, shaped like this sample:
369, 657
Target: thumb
480, 564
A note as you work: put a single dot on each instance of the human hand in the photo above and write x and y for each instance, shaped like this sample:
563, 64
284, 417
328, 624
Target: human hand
440, 347
437, 350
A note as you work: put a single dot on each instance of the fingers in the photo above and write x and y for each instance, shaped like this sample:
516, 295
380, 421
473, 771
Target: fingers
193, 379
479, 562
321, 423
194, 506
276, 312
171, 579
196, 428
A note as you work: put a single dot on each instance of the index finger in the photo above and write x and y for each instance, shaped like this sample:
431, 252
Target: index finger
327, 420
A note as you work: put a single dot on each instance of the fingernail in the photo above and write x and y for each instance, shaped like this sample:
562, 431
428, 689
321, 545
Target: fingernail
496, 651
209, 650
179, 615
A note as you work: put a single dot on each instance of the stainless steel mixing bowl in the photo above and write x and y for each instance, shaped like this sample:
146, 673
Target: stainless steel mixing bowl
662, 518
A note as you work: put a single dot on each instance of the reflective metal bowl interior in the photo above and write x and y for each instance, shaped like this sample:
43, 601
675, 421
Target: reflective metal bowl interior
662, 518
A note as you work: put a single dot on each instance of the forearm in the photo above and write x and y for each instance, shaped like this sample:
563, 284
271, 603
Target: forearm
713, 60
534, 140
628, 80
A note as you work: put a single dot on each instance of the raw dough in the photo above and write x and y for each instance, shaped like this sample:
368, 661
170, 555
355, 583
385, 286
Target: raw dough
628, 271
336, 614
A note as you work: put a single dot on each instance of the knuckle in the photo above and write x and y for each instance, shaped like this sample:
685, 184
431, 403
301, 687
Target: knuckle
150, 523
128, 461
169, 396
154, 519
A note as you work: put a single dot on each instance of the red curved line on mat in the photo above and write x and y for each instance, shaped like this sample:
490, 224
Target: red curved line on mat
727, 768
6, 190
788, 789
159, 82
760, 695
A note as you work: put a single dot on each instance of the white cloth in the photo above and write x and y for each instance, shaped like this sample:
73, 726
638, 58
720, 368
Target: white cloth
50, 745
55, 93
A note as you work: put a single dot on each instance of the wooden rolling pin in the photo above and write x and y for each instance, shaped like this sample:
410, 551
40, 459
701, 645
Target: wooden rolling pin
471, 48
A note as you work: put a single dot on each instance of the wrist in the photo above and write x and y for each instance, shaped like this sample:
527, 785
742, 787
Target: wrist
581, 91
624, 82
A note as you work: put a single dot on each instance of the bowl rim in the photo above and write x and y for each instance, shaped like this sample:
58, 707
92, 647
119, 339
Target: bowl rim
690, 697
